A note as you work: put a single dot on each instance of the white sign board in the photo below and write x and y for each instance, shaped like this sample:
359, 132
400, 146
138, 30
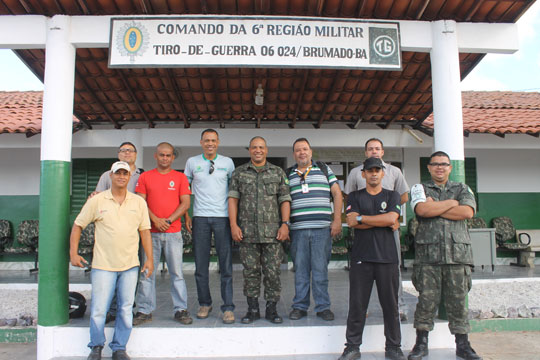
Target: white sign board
224, 41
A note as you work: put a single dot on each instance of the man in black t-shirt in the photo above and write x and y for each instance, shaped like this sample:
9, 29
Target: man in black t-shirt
373, 212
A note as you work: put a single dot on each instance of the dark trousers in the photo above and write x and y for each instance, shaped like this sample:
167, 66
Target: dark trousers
203, 227
361, 277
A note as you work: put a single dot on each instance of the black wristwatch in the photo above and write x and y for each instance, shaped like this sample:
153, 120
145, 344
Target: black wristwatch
168, 221
359, 219
288, 223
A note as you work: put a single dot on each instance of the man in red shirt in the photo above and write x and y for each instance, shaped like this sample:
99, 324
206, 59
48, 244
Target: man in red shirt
167, 194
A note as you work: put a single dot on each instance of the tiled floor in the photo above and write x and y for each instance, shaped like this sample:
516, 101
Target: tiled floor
338, 286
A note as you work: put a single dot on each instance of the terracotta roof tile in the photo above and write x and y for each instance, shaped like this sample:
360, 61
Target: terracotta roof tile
499, 112
492, 112
20, 112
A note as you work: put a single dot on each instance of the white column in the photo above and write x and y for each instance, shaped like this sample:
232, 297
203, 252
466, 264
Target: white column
55, 183
58, 91
445, 75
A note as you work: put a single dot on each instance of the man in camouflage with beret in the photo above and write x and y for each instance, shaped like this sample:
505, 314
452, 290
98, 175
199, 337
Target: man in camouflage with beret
259, 210
443, 255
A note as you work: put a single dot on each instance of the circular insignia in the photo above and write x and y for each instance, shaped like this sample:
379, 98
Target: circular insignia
383, 205
384, 46
171, 184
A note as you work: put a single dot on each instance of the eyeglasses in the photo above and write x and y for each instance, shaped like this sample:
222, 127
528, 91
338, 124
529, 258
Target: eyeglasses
211, 170
126, 151
444, 165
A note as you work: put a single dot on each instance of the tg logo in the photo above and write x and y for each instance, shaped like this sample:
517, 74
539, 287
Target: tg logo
384, 46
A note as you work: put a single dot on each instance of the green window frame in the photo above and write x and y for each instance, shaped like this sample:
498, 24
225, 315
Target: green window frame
85, 174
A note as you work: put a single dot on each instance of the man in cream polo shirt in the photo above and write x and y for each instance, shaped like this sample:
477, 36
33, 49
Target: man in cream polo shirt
120, 217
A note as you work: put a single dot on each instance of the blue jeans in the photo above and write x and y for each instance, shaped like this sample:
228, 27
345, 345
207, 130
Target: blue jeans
172, 246
104, 285
311, 250
203, 227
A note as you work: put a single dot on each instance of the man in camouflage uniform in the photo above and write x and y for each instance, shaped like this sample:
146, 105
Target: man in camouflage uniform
443, 255
259, 202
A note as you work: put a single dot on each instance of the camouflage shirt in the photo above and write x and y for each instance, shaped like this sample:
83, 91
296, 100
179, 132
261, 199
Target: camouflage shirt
260, 194
439, 240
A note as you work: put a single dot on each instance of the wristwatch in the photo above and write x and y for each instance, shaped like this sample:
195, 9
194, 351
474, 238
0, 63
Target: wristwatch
359, 219
288, 223
168, 221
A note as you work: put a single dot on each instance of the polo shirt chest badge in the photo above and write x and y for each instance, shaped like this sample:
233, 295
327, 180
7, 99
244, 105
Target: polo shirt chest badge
383, 207
171, 185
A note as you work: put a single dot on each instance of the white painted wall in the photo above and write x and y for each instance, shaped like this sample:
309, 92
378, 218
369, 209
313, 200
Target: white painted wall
510, 164
502, 171
20, 171
411, 164
507, 171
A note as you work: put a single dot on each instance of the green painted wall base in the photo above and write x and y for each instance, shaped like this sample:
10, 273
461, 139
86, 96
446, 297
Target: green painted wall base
505, 325
17, 208
18, 335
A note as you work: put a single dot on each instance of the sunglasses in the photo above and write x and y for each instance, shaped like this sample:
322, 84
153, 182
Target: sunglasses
212, 168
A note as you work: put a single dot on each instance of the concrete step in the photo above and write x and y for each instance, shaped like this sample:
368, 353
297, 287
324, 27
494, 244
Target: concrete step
233, 342
435, 354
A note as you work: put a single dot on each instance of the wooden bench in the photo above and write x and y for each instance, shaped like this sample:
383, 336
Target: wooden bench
531, 238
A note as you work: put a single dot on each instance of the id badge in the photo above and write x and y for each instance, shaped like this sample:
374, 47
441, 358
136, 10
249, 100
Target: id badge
305, 188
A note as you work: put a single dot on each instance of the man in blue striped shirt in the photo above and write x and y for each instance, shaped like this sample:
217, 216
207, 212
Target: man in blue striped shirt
312, 228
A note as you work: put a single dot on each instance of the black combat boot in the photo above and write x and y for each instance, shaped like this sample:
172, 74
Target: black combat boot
253, 312
420, 349
464, 349
271, 313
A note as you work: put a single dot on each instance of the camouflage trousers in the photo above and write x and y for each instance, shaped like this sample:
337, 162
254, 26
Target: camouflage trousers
265, 257
449, 282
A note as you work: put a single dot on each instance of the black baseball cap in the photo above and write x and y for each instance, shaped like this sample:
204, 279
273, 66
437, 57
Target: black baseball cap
373, 162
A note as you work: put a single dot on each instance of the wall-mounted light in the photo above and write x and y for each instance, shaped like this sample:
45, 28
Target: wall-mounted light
259, 95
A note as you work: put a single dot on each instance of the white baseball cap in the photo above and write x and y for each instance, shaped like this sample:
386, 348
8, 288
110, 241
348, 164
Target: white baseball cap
120, 165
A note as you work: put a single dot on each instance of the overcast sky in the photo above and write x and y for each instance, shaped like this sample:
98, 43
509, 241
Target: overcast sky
516, 72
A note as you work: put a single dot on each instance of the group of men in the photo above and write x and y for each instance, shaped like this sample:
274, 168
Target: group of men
258, 206
443, 253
